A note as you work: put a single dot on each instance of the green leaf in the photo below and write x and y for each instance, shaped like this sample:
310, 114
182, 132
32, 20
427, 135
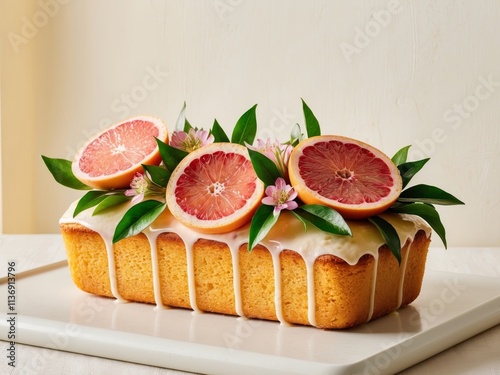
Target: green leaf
62, 173
262, 222
296, 135
171, 156
410, 169
324, 218
246, 128
389, 234
219, 133
182, 122
426, 212
428, 194
264, 167
187, 126
110, 201
301, 219
401, 156
181, 119
90, 199
138, 218
312, 124
159, 175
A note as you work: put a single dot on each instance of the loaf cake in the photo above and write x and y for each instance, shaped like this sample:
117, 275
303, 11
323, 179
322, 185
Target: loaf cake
295, 277
317, 231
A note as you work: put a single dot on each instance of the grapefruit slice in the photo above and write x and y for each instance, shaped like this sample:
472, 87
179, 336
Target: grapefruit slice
111, 158
214, 189
348, 175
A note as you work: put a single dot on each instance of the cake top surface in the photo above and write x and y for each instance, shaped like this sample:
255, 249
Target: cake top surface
311, 187
287, 234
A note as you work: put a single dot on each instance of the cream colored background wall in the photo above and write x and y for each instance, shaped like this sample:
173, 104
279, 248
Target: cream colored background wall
17, 121
390, 73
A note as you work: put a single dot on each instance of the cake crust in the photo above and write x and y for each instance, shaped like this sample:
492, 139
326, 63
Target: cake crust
344, 294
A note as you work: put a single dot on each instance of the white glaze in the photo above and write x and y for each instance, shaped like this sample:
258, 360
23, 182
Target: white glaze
275, 248
288, 233
235, 257
374, 286
404, 262
152, 236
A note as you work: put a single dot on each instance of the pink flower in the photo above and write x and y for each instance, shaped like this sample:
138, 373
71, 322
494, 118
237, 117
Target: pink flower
278, 152
191, 141
141, 187
281, 196
138, 188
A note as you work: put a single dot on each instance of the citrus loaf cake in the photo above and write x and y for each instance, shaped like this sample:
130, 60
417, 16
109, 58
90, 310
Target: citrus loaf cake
317, 231
294, 277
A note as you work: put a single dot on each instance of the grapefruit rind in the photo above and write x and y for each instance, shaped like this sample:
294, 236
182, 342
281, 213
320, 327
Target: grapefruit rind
223, 224
122, 178
360, 210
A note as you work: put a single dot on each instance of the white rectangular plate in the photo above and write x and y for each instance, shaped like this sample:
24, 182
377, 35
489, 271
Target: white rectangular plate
53, 313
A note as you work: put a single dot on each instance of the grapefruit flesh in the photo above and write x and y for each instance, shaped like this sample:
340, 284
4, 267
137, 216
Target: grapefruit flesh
352, 177
111, 158
214, 189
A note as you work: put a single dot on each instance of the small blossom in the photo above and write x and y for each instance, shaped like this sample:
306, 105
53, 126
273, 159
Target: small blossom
278, 152
281, 196
138, 188
141, 187
296, 135
191, 141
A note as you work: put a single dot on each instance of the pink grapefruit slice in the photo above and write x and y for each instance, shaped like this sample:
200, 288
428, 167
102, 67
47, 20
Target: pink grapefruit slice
214, 189
111, 158
350, 176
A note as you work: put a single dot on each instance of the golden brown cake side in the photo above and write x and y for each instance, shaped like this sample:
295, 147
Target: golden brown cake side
343, 294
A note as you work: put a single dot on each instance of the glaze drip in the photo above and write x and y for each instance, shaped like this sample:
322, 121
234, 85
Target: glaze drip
288, 233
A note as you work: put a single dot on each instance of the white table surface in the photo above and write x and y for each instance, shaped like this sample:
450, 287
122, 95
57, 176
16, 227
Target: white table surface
478, 355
